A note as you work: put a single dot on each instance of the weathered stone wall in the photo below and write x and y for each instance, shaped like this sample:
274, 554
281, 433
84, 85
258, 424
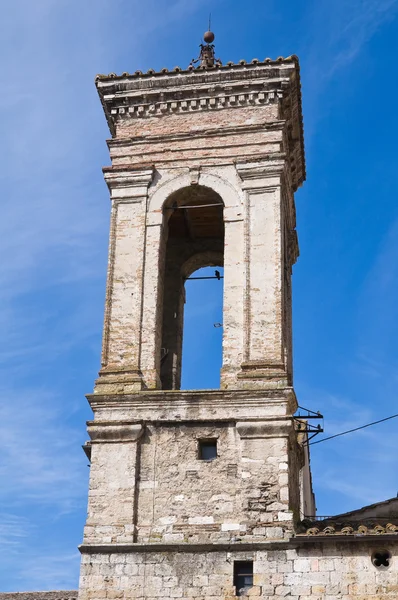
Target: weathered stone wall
339, 571
148, 483
240, 493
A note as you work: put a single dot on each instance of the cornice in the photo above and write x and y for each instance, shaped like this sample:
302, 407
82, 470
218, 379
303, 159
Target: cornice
108, 431
231, 87
264, 429
188, 547
195, 91
201, 74
200, 71
274, 165
130, 178
192, 397
292, 543
126, 184
161, 103
154, 94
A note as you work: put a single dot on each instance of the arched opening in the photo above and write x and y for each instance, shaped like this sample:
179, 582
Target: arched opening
194, 238
203, 322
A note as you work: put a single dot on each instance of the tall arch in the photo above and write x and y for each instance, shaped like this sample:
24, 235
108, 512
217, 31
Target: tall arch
193, 238
161, 195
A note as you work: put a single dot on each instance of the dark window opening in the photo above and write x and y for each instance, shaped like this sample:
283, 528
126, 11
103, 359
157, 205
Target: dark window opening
243, 576
207, 449
381, 558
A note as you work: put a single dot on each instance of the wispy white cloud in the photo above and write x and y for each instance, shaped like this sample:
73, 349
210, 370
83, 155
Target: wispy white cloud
352, 26
53, 244
41, 457
50, 571
14, 530
336, 35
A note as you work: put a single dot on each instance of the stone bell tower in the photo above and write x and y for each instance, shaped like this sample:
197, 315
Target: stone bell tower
190, 489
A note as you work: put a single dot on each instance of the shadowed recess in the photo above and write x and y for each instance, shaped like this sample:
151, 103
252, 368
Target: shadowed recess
194, 238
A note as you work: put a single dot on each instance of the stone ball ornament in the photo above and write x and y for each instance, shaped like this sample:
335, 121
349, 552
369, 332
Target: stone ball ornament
209, 37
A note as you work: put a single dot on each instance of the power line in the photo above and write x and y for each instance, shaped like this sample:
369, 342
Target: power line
351, 430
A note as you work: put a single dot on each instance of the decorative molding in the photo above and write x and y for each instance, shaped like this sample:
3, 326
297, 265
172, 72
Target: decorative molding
257, 84
194, 173
251, 172
265, 429
158, 106
229, 546
204, 72
185, 398
114, 432
262, 364
128, 186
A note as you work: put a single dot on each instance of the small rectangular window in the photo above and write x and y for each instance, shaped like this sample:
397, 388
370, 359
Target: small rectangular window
243, 576
207, 449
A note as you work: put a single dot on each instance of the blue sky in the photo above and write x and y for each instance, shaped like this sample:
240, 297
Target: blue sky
54, 229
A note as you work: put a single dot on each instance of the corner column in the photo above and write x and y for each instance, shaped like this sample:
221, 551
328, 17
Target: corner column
234, 294
120, 371
264, 354
153, 292
114, 470
270, 499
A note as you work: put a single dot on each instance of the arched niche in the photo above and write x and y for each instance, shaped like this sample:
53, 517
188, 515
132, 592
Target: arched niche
193, 238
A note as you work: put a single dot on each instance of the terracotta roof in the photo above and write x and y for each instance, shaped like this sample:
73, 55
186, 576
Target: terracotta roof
176, 70
369, 527
371, 507
373, 519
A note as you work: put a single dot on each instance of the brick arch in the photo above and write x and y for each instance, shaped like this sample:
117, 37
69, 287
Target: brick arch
200, 260
231, 195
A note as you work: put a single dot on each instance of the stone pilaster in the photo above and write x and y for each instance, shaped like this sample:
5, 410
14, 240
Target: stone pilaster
120, 370
112, 505
271, 501
234, 294
151, 325
263, 362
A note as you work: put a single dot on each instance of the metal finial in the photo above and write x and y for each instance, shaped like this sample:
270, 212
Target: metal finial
207, 56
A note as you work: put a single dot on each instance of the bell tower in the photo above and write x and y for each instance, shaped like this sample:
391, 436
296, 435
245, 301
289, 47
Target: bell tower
189, 489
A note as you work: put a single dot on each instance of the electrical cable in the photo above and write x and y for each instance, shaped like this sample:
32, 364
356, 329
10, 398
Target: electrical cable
351, 430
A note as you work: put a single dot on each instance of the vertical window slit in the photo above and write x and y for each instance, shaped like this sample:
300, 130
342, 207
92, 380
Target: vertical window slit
243, 576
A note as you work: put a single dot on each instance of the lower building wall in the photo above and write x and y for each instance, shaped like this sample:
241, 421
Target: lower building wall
338, 571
